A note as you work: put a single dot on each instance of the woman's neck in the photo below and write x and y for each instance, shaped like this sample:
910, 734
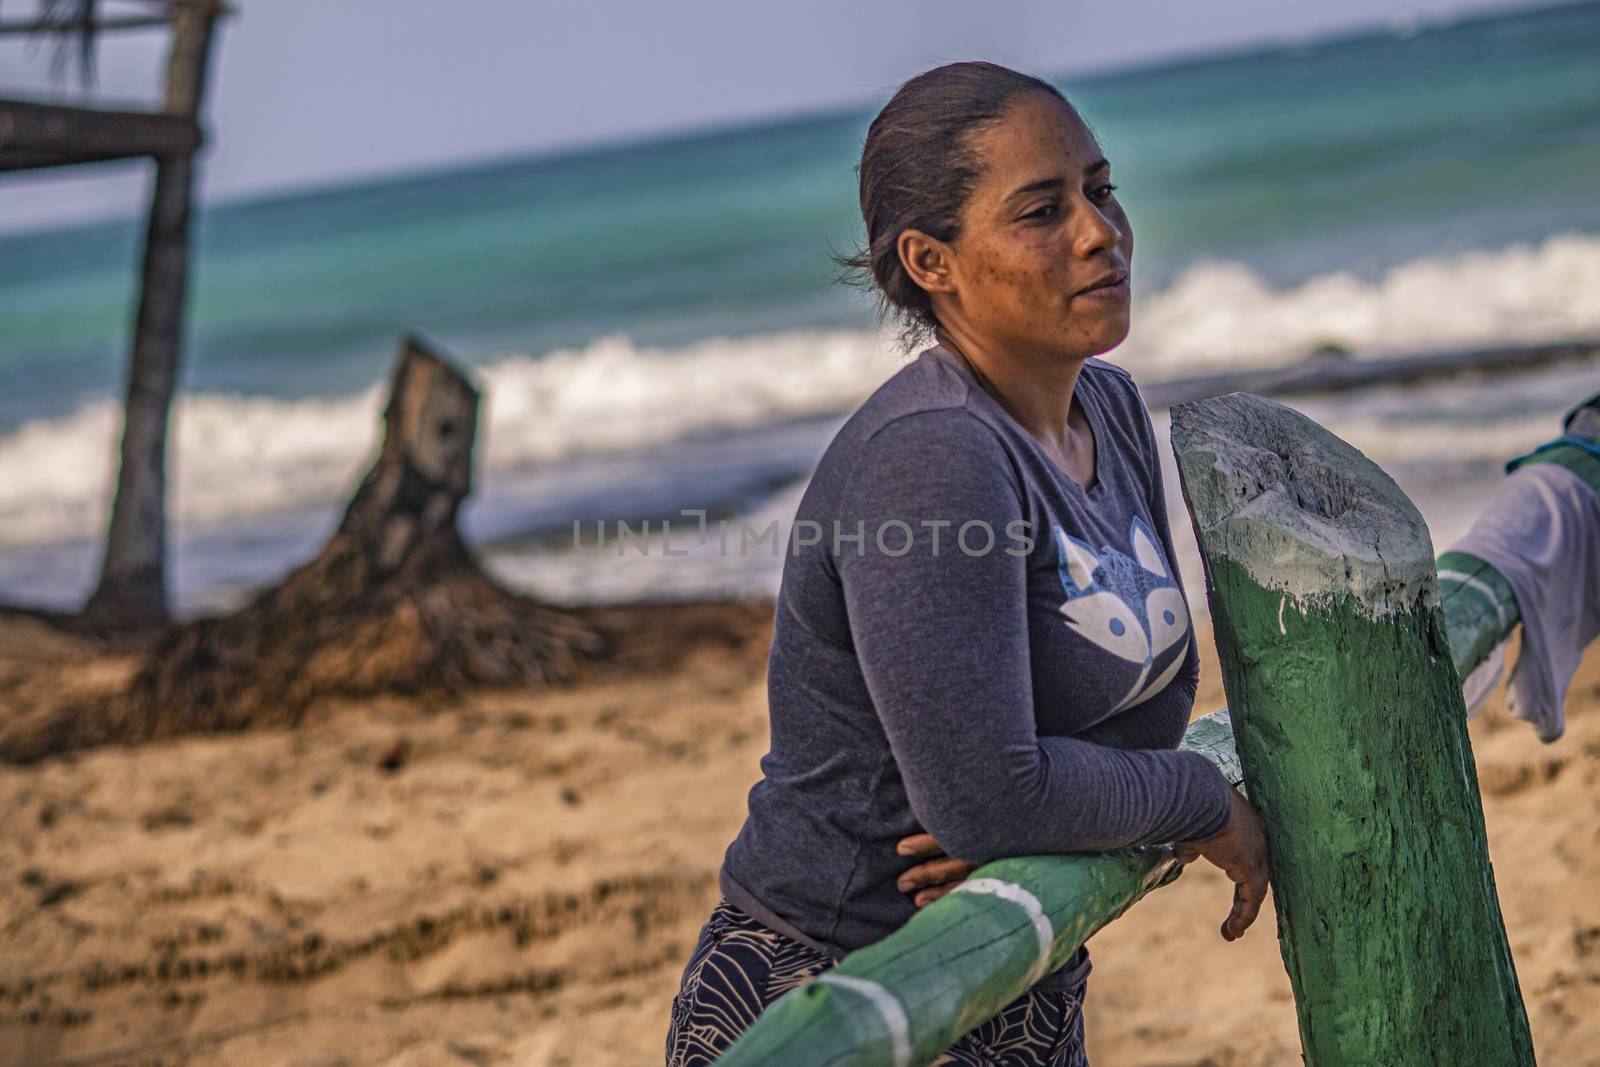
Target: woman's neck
1039, 396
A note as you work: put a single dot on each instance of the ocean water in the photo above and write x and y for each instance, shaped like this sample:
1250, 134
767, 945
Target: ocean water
658, 325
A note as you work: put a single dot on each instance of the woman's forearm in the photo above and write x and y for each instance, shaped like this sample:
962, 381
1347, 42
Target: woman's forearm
1076, 796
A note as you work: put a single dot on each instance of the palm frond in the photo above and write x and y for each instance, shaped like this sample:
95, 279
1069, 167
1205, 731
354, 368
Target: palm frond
73, 28
73, 12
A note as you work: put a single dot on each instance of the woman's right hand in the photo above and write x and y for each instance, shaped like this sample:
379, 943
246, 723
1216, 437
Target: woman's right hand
1240, 850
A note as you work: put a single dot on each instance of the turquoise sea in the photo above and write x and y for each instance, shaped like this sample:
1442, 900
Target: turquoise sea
658, 324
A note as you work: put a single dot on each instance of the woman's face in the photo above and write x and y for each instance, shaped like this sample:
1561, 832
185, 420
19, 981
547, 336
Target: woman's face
1041, 264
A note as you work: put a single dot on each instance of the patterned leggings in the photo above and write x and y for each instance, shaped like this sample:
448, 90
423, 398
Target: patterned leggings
740, 966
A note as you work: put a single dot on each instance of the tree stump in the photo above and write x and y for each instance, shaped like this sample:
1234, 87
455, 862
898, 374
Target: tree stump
395, 603
1351, 729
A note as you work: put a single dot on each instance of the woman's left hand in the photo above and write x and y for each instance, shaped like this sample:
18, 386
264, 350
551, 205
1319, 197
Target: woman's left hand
933, 879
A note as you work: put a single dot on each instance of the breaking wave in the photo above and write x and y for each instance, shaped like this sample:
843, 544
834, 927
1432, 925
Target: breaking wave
237, 456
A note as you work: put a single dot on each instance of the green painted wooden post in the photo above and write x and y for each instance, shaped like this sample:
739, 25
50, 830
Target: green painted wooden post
959, 960
1350, 725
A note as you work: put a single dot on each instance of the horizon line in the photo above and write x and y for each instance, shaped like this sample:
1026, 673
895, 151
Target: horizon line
716, 129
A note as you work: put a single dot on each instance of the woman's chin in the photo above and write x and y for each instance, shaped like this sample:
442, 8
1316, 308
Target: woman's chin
1101, 335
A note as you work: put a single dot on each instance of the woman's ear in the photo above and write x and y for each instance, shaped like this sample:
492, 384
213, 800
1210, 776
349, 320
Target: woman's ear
928, 261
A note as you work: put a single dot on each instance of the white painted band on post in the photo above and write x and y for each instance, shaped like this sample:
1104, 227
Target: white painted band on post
889, 1008
1479, 587
1029, 903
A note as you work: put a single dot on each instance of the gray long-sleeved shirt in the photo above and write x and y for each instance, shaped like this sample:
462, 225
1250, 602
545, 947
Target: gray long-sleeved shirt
971, 644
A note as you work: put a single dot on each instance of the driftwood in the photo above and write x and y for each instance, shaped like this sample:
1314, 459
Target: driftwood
395, 603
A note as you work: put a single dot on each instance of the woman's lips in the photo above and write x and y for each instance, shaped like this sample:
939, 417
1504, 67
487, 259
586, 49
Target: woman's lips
1106, 292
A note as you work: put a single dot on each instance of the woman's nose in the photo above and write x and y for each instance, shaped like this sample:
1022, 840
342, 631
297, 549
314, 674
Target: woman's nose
1095, 232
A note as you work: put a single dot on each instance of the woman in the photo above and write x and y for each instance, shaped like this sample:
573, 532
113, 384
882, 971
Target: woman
981, 647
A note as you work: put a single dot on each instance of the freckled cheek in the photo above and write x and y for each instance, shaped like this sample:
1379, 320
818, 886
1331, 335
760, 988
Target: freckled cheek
1025, 276
1005, 270
1041, 267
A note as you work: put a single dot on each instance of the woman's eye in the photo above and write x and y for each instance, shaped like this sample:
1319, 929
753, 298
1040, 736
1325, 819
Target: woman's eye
1048, 211
1103, 192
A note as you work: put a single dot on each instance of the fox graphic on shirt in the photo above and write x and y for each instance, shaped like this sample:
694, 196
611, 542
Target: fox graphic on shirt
1128, 605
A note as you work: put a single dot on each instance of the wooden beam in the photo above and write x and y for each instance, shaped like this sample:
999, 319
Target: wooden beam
39, 27
45, 25
1349, 722
49, 135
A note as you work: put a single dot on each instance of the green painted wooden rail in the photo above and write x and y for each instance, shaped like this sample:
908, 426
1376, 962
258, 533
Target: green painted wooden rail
958, 961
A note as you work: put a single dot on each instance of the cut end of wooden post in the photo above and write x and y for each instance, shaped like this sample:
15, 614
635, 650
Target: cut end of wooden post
1300, 510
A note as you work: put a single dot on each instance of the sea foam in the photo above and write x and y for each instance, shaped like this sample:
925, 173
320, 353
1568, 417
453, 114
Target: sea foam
237, 456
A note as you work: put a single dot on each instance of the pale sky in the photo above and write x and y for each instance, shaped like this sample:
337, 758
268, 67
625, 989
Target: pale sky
313, 92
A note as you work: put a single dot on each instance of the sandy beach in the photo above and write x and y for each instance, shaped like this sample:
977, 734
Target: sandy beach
517, 878
433, 363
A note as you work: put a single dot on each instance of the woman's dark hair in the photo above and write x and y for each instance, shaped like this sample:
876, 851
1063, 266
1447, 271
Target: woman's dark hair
918, 169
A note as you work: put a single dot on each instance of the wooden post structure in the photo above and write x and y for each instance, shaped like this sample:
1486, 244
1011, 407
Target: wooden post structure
903, 1001
132, 590
1351, 729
